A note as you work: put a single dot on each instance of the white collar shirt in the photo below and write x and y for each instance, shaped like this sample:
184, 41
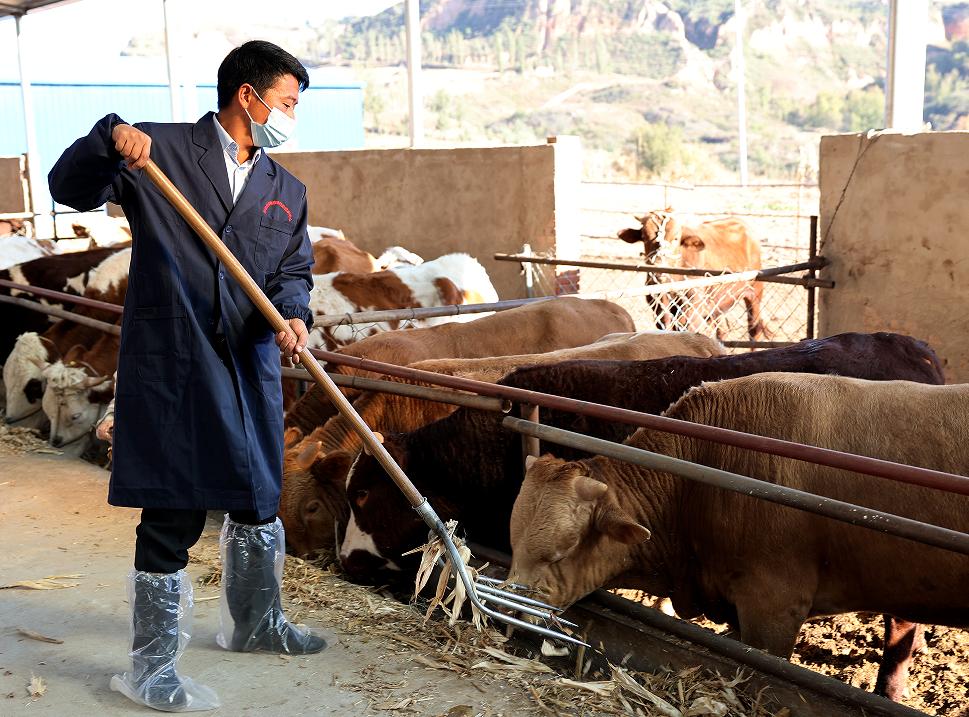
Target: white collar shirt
238, 173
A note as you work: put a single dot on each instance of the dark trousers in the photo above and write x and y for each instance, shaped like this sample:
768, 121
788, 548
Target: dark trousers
164, 536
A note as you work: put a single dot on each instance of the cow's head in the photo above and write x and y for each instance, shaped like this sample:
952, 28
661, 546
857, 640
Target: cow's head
660, 234
24, 380
566, 527
313, 505
73, 401
382, 523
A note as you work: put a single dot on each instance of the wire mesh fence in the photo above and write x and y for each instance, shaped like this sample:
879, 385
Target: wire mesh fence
738, 311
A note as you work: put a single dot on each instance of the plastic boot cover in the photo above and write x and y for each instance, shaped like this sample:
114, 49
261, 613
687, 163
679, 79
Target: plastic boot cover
161, 622
252, 576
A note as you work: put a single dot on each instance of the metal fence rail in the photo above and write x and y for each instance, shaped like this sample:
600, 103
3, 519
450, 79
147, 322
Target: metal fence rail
810, 502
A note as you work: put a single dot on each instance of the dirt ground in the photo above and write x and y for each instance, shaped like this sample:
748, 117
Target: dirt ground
54, 521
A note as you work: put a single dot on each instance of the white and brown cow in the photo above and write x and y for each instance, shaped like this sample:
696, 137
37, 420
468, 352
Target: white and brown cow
75, 398
764, 568
23, 370
447, 280
721, 245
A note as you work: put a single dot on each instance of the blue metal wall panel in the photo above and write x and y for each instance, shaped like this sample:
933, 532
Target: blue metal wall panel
330, 117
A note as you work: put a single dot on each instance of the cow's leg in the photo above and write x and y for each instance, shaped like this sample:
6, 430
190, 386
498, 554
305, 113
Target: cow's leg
902, 640
770, 616
755, 324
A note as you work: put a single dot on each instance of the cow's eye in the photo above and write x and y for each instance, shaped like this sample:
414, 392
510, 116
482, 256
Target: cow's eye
360, 498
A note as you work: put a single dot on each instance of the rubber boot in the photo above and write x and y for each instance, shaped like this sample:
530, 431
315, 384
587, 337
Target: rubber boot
252, 574
161, 615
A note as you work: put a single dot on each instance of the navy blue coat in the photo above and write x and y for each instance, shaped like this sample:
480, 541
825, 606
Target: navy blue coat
190, 432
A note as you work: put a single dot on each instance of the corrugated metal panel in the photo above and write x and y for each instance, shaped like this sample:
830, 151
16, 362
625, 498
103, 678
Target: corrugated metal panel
330, 117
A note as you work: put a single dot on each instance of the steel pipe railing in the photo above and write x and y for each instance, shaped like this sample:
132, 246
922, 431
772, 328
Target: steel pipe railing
924, 477
62, 296
819, 505
427, 393
61, 314
770, 275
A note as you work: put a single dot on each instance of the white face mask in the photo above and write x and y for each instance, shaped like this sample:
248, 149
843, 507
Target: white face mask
278, 127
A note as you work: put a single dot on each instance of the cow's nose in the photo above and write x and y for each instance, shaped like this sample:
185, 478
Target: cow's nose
56, 441
10, 420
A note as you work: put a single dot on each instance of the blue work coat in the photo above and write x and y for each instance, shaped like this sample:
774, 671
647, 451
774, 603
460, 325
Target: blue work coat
190, 431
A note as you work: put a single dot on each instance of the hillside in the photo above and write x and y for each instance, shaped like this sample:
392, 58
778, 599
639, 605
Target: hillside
650, 86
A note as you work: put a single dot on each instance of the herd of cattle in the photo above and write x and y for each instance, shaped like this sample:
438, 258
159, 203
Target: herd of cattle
575, 522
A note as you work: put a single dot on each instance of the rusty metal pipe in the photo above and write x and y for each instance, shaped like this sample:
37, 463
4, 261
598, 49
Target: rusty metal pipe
427, 393
819, 505
366, 317
61, 314
770, 275
924, 477
62, 296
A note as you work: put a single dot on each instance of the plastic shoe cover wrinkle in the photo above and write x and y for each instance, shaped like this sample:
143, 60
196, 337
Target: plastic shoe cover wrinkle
161, 626
252, 577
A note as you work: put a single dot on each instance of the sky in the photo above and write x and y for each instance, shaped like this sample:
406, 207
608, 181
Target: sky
82, 41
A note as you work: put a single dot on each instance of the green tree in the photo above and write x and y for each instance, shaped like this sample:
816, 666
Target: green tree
658, 148
374, 105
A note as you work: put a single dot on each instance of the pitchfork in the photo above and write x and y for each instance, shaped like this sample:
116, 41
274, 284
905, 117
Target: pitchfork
479, 591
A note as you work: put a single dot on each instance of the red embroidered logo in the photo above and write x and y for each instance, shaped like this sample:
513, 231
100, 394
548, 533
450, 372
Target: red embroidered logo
277, 203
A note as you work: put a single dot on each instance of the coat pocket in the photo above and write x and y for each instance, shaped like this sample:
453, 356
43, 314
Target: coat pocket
271, 241
154, 341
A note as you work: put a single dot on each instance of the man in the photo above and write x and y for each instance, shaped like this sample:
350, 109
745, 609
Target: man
198, 397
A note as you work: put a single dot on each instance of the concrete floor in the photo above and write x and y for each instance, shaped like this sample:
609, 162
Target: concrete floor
54, 520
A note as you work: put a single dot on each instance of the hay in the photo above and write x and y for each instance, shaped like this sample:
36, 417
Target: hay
489, 658
16, 441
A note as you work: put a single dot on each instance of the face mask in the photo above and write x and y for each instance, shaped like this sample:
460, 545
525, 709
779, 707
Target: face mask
278, 127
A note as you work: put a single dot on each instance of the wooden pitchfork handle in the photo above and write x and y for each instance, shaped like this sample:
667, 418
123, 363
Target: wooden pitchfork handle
278, 323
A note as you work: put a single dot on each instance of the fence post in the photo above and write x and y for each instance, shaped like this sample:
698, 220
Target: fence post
811, 289
528, 269
530, 445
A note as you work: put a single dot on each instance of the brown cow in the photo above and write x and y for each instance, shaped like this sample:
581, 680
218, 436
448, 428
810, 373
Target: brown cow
722, 245
446, 281
309, 518
763, 568
331, 253
539, 327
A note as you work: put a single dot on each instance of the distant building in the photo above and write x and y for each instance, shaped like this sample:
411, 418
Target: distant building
330, 116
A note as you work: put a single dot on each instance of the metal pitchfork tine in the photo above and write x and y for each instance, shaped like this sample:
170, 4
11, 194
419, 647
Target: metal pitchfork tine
478, 594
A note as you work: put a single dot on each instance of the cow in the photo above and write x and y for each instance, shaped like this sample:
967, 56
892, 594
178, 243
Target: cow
470, 467
538, 327
15, 249
445, 281
722, 245
75, 398
24, 367
335, 253
102, 230
310, 515
762, 568
12, 227
66, 272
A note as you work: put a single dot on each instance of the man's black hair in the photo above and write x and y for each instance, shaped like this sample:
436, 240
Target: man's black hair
260, 64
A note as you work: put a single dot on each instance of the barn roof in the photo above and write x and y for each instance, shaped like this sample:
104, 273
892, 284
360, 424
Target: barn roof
21, 7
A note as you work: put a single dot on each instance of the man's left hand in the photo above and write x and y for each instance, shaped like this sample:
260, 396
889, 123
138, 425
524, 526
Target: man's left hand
292, 342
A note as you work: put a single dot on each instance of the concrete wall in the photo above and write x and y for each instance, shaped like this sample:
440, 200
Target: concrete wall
13, 198
894, 218
436, 201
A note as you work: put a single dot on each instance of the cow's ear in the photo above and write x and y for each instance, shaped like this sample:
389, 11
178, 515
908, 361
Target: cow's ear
631, 236
333, 467
307, 457
530, 461
74, 353
693, 241
589, 489
291, 437
380, 439
619, 526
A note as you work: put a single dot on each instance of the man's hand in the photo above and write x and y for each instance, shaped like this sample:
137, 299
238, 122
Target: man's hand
133, 144
105, 429
293, 341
